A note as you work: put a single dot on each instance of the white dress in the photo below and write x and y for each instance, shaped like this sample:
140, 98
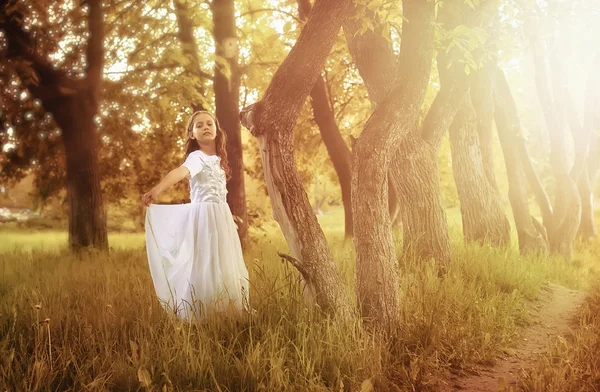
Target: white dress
194, 251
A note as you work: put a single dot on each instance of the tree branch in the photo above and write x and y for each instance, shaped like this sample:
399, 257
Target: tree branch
47, 81
251, 12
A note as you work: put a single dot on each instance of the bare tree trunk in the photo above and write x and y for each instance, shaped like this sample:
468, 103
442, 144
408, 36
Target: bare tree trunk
378, 76
424, 219
587, 228
87, 218
483, 217
376, 265
227, 92
336, 147
587, 180
73, 104
567, 205
272, 121
482, 97
532, 235
338, 151
185, 33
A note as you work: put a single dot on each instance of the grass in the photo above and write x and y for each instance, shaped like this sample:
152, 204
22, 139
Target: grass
92, 321
571, 362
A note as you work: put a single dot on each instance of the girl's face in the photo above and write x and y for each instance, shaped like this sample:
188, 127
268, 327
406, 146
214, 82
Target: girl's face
204, 129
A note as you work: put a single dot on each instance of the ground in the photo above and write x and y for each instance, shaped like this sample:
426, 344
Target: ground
552, 316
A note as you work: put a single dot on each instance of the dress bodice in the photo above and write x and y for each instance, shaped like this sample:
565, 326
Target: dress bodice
207, 178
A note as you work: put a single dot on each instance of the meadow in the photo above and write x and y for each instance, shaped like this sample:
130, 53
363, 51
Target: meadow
91, 322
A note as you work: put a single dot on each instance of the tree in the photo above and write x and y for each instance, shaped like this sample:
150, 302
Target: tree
482, 210
531, 234
272, 121
392, 124
587, 181
73, 103
227, 93
562, 218
330, 133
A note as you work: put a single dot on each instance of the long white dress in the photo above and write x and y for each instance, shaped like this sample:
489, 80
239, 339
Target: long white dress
194, 251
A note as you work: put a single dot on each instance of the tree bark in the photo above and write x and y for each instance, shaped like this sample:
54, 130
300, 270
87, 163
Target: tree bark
73, 104
87, 219
338, 151
227, 91
483, 217
482, 97
376, 264
424, 218
378, 76
587, 181
567, 205
531, 235
185, 33
272, 121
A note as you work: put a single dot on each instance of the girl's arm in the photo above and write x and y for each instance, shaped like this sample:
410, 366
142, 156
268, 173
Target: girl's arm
170, 179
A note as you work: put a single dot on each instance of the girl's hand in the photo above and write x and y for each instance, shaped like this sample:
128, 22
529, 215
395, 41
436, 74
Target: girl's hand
149, 197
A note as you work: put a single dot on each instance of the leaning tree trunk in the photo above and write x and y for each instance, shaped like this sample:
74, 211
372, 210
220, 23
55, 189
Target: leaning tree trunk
482, 98
227, 91
378, 77
377, 276
272, 121
73, 104
531, 234
338, 151
336, 147
483, 218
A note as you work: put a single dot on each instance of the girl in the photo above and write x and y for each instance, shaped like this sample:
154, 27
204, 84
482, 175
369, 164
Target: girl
193, 249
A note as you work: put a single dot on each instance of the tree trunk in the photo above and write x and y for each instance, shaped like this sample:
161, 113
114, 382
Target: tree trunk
567, 205
87, 218
338, 151
483, 217
482, 97
73, 103
378, 77
227, 91
377, 276
423, 215
587, 227
336, 147
587, 181
272, 121
532, 236
185, 33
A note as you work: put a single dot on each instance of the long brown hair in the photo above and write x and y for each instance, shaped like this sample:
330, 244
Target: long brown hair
192, 145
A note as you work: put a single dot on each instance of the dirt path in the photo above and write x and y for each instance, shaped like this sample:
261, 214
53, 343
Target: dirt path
552, 315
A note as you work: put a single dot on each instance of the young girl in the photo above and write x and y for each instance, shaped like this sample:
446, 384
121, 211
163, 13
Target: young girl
193, 249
